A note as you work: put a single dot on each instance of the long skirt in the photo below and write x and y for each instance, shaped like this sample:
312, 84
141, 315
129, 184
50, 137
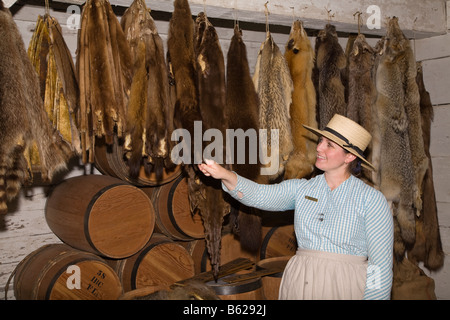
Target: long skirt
318, 275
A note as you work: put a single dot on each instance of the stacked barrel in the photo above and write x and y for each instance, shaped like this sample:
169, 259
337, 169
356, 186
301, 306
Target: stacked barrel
122, 239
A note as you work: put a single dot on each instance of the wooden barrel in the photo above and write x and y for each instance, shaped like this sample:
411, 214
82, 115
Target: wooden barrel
161, 262
110, 160
230, 250
173, 211
250, 289
271, 283
278, 241
45, 275
101, 214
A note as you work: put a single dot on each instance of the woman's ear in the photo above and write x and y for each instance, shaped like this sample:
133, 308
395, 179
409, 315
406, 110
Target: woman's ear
349, 157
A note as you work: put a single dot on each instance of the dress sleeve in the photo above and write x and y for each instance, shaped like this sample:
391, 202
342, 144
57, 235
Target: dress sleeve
270, 197
380, 237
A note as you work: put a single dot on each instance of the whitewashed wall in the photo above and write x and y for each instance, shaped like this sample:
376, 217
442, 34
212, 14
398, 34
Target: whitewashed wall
24, 229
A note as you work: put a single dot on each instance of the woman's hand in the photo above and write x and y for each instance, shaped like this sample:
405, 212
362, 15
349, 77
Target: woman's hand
212, 169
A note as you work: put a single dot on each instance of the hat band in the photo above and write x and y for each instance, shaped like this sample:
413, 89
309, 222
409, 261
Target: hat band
348, 145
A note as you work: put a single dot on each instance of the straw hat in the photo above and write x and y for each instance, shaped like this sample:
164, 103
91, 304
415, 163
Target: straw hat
348, 134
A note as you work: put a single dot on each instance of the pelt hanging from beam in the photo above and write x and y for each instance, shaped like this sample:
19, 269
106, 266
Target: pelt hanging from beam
104, 67
299, 55
428, 246
148, 130
361, 90
212, 102
274, 86
23, 120
329, 65
399, 127
243, 113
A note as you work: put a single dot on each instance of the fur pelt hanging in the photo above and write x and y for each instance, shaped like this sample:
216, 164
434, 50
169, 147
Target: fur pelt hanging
104, 67
53, 62
148, 130
273, 83
299, 55
361, 90
330, 63
23, 120
397, 126
428, 246
243, 113
210, 202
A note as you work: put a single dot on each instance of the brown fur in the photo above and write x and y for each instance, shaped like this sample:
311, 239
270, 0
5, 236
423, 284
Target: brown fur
395, 117
147, 110
243, 113
330, 63
212, 101
299, 55
361, 89
23, 119
274, 86
428, 246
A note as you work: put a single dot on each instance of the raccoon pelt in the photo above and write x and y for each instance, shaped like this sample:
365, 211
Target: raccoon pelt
361, 90
428, 245
210, 200
299, 55
394, 173
243, 114
329, 65
190, 290
23, 120
149, 102
273, 83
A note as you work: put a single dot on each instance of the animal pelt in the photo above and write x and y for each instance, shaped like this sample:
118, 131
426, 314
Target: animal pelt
190, 290
273, 83
394, 122
147, 130
329, 65
299, 55
209, 201
53, 62
361, 89
180, 47
427, 247
243, 113
23, 120
105, 72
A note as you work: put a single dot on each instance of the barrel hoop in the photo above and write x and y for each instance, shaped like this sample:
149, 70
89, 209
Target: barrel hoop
140, 257
241, 288
88, 213
169, 206
265, 243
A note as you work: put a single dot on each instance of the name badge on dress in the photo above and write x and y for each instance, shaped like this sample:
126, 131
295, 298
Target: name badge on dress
311, 198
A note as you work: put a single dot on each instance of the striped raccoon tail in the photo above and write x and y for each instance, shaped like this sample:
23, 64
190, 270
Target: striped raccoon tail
13, 173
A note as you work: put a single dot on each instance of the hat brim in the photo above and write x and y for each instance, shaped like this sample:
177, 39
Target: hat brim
366, 164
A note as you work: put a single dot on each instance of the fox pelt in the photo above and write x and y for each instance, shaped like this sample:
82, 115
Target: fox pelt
23, 120
428, 246
210, 201
147, 132
243, 113
330, 63
273, 83
361, 90
299, 55
395, 115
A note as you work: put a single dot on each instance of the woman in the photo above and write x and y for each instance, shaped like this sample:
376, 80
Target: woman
344, 227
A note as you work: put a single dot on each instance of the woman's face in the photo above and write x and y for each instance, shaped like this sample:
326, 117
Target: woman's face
331, 156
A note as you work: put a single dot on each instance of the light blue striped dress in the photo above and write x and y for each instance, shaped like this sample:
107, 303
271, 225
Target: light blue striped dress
353, 219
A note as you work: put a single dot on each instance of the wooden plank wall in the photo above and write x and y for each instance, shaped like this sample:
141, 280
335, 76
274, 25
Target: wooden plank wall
24, 229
